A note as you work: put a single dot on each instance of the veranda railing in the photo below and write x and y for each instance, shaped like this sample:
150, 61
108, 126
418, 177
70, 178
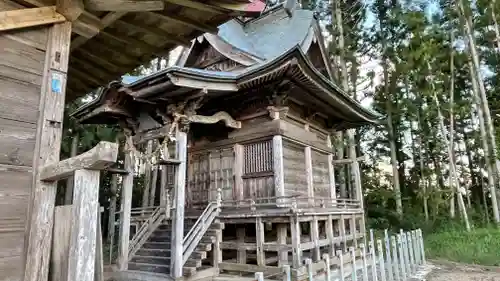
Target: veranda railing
392, 258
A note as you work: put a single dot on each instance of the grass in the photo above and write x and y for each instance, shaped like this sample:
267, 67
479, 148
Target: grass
480, 246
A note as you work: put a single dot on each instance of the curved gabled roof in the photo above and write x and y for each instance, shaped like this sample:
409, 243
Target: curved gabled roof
293, 65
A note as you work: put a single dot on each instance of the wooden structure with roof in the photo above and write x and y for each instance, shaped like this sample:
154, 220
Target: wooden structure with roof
54, 51
244, 127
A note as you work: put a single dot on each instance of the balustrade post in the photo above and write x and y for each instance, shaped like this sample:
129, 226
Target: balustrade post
219, 197
168, 206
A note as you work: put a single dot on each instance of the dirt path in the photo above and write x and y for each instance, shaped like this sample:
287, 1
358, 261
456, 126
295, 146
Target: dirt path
446, 271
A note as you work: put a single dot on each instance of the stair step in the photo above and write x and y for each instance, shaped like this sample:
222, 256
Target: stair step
153, 252
166, 238
156, 245
151, 260
188, 271
146, 267
193, 263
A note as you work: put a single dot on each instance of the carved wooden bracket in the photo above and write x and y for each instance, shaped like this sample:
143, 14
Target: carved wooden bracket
277, 112
219, 116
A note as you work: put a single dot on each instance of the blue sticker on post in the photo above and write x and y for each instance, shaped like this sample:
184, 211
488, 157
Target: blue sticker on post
55, 83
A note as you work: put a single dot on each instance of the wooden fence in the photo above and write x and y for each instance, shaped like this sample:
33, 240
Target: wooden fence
395, 257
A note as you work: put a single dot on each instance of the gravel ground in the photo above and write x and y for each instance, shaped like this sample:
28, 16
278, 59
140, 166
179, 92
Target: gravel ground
461, 272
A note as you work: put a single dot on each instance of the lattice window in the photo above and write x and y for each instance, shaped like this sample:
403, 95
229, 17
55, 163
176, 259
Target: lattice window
258, 158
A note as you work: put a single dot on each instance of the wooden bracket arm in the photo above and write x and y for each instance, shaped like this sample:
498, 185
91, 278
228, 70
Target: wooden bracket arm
100, 157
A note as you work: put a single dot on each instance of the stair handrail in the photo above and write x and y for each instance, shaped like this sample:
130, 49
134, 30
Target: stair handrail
146, 229
200, 227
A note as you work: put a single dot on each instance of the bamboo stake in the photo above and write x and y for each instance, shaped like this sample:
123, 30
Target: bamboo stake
374, 261
365, 265
401, 257
381, 260
388, 255
287, 276
328, 272
353, 264
395, 263
309, 269
341, 266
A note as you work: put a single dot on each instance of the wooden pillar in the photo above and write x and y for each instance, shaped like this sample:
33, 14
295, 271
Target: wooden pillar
126, 206
282, 235
112, 209
217, 251
315, 238
295, 232
81, 261
147, 176
259, 233
330, 235
38, 235
68, 194
163, 186
331, 170
352, 224
342, 232
238, 171
242, 253
179, 200
309, 174
279, 174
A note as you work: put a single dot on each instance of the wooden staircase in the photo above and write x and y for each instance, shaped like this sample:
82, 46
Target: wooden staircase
153, 254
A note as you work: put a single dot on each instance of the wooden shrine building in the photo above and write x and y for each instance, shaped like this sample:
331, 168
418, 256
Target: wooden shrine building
52, 52
244, 123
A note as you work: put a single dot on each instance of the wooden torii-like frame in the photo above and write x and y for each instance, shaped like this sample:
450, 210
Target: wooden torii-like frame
61, 19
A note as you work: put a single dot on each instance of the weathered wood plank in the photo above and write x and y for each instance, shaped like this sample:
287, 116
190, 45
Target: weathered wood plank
17, 142
22, 18
81, 261
124, 5
126, 205
47, 150
101, 156
35, 37
60, 246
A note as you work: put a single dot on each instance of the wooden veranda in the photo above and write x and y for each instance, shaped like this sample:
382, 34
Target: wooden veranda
54, 51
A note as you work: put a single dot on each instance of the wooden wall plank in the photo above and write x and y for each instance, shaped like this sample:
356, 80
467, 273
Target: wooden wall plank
15, 183
294, 169
17, 142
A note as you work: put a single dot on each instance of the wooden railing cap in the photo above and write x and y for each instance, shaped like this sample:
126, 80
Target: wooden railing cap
100, 157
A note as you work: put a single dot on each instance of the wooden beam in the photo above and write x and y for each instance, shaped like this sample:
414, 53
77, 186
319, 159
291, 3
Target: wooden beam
29, 17
70, 9
98, 158
131, 42
124, 5
106, 21
166, 36
47, 150
101, 61
186, 21
86, 77
198, 6
95, 69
